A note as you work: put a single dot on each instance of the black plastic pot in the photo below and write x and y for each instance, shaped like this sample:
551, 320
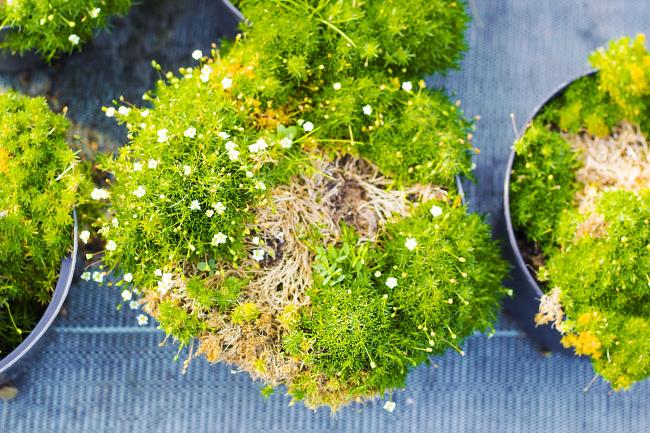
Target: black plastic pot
527, 293
14, 62
19, 359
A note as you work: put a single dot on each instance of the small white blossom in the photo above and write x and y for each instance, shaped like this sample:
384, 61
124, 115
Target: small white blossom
85, 276
140, 192
308, 126
99, 194
142, 320
115, 222
128, 277
258, 255
233, 155
391, 282
410, 244
137, 166
197, 54
260, 185
110, 112
337, 86
144, 113
111, 245
127, 295
209, 213
134, 305
98, 277
230, 145
286, 142
195, 205
256, 240
158, 272
249, 173
219, 239
407, 85
223, 135
367, 110
187, 170
219, 207
206, 70
190, 132
162, 135
74, 39
166, 283
436, 211
153, 163
124, 111
377, 274
258, 146
94, 13
226, 83
84, 236
389, 406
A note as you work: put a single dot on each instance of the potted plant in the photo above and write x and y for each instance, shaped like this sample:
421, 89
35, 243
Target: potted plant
577, 195
38, 193
289, 206
30, 29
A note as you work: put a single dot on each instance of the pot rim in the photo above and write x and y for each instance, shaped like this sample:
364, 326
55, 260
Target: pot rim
51, 312
512, 238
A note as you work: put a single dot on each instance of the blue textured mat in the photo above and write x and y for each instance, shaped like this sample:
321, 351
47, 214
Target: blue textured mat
102, 373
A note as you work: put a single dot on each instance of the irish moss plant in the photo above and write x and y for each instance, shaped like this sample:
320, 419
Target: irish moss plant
288, 205
580, 195
52, 27
39, 180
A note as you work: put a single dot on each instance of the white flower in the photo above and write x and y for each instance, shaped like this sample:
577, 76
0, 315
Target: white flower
209, 213
127, 295
233, 155
85, 276
308, 126
226, 83
134, 305
74, 39
286, 142
111, 245
84, 236
223, 135
158, 273
128, 277
153, 163
162, 135
219, 239
410, 244
195, 205
197, 54
391, 282
377, 274
258, 146
165, 283
219, 207
260, 185
206, 70
256, 240
99, 194
98, 277
115, 222
367, 110
140, 192
389, 406
137, 166
187, 170
94, 13
249, 173
230, 145
124, 111
110, 112
436, 211
142, 319
190, 132
337, 86
406, 85
258, 255
144, 113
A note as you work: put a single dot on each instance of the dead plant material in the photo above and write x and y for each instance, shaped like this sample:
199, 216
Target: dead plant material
550, 310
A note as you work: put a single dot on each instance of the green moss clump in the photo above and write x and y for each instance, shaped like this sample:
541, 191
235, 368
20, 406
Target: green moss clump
38, 191
595, 235
53, 27
262, 202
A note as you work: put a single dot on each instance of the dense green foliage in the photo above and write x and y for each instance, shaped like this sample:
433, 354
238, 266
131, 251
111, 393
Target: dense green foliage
596, 255
308, 80
38, 191
51, 27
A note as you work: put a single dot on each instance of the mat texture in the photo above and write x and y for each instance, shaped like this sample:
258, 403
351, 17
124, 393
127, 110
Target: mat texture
100, 372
